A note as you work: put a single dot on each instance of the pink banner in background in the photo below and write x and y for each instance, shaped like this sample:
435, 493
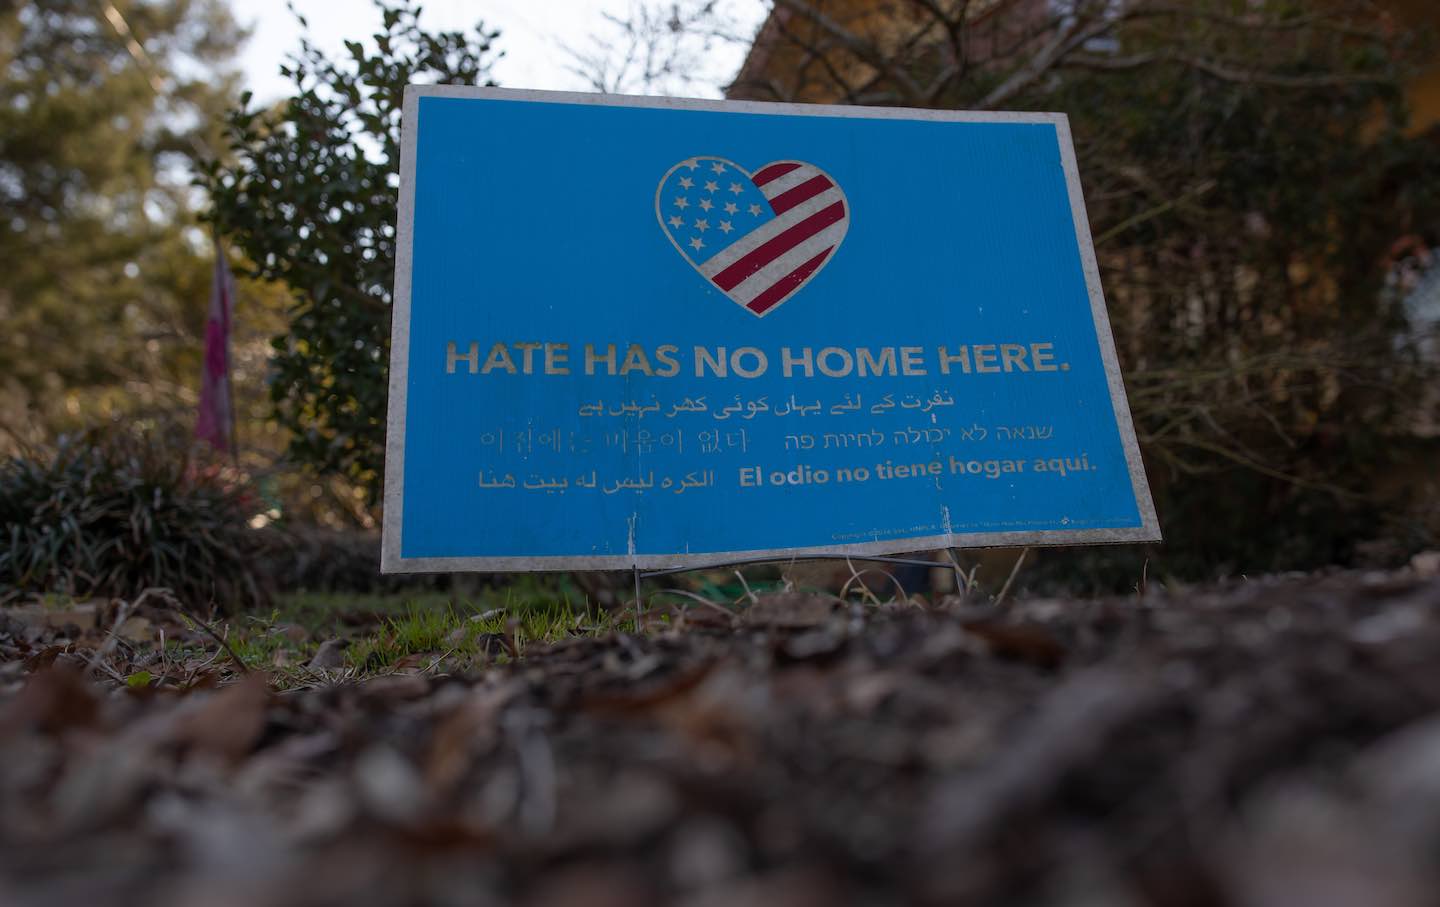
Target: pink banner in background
215, 423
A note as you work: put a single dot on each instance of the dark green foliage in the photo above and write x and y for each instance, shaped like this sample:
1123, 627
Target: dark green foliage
1242, 229
310, 196
1248, 169
110, 513
309, 558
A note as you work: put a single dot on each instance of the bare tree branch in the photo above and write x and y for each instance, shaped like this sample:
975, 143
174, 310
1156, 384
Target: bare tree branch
1066, 40
1230, 72
865, 50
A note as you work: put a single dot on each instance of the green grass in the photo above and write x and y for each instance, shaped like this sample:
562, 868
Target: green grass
418, 630
424, 630
467, 635
436, 631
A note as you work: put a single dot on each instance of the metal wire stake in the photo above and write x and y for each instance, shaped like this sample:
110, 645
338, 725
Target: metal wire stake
637, 597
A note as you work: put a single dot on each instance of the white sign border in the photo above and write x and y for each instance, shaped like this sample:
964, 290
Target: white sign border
391, 559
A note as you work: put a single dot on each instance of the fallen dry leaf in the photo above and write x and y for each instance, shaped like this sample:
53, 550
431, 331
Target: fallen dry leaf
329, 656
1271, 742
791, 610
228, 724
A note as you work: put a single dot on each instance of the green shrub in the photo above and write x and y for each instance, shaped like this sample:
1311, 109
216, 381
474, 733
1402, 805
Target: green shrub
307, 191
110, 513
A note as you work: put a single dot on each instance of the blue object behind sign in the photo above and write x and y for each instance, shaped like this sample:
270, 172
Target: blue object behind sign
655, 332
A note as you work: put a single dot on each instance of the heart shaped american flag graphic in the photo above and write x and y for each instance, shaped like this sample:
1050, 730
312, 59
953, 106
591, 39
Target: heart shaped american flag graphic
758, 238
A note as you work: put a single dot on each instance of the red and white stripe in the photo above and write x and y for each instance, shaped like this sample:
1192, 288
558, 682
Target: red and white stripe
764, 267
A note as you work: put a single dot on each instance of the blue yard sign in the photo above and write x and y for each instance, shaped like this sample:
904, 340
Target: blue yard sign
650, 332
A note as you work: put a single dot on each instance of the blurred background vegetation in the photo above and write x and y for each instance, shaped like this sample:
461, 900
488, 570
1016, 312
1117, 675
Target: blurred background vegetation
105, 272
1263, 182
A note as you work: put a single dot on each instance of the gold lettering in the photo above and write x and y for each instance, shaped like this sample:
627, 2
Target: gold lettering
556, 357
737, 362
1012, 357
962, 356
591, 358
986, 359
636, 361
912, 361
453, 357
1042, 356
670, 366
847, 363
788, 361
498, 358
527, 361
885, 365
716, 363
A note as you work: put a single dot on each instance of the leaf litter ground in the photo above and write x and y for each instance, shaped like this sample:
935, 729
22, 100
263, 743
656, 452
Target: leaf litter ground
1271, 742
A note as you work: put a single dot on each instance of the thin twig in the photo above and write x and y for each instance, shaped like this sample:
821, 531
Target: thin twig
751, 595
122, 613
441, 657
714, 606
1014, 571
239, 662
904, 596
1154, 212
855, 575
638, 611
114, 674
865, 50
962, 584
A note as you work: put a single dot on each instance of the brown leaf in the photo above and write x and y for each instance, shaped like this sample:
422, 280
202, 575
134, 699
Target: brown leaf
52, 701
330, 656
229, 724
418, 662
1426, 563
38, 661
293, 632
594, 886
790, 609
1018, 642
817, 643
81, 616
136, 629
786, 888
468, 730
394, 688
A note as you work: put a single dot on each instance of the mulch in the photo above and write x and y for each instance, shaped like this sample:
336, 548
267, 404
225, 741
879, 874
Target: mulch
1268, 742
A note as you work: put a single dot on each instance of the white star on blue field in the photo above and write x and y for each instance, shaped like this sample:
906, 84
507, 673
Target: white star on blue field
707, 204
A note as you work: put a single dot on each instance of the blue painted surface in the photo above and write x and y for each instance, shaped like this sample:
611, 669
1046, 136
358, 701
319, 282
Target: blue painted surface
688, 186
536, 223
